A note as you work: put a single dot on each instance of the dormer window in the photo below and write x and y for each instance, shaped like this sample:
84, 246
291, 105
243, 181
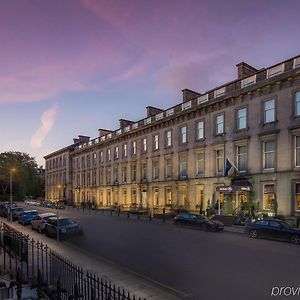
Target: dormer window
203, 99
219, 92
248, 81
297, 62
275, 71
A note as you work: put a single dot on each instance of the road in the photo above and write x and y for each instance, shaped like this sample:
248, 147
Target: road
195, 264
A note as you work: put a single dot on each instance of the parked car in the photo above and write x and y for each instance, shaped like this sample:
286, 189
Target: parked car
39, 221
46, 203
200, 221
67, 227
16, 211
5, 207
273, 229
58, 205
27, 216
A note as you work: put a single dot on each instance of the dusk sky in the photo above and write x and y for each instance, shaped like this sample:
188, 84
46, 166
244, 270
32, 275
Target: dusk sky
69, 67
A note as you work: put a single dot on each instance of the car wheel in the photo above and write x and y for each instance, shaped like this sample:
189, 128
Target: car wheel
295, 239
253, 233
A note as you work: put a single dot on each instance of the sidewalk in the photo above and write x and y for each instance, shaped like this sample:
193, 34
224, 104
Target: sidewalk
132, 282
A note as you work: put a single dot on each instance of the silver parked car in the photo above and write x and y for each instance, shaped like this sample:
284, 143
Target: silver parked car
39, 222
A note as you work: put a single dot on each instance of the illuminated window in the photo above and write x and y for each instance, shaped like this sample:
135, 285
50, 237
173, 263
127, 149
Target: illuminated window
169, 138
155, 142
168, 196
269, 195
133, 148
144, 145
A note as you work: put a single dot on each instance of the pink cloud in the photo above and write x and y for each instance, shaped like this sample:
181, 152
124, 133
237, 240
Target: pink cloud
47, 121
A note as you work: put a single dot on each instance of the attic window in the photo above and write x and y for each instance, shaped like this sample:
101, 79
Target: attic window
170, 112
135, 126
275, 71
147, 121
159, 116
297, 62
126, 129
119, 131
248, 81
203, 99
186, 105
219, 92
102, 139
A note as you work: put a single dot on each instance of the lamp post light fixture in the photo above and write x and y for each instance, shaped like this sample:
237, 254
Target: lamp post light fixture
10, 185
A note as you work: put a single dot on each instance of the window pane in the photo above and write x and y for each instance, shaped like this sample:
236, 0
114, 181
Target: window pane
269, 146
242, 118
297, 107
269, 104
200, 130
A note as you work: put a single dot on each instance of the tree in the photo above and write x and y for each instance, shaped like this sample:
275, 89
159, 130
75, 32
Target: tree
26, 178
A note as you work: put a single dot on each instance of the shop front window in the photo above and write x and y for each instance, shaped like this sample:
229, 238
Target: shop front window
269, 195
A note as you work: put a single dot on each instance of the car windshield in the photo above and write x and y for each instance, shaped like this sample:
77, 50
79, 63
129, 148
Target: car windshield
64, 222
202, 217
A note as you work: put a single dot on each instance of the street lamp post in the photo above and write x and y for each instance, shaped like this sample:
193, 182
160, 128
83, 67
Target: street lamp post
10, 185
57, 223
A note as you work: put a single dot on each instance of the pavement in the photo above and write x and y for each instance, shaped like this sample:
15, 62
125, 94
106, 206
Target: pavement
134, 283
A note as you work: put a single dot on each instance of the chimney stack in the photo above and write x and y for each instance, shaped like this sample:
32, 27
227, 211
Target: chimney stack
245, 70
188, 95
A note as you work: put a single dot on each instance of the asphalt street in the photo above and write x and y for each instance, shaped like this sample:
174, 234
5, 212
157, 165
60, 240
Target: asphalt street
191, 263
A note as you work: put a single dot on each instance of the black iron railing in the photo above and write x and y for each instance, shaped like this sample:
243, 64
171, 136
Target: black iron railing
55, 276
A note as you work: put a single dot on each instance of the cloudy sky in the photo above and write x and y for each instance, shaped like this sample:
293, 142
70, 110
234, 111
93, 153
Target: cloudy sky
69, 67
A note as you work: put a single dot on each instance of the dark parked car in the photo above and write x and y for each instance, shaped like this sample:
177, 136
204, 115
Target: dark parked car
67, 227
46, 203
27, 216
273, 229
16, 212
199, 221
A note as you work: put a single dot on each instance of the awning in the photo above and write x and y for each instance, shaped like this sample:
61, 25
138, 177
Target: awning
237, 185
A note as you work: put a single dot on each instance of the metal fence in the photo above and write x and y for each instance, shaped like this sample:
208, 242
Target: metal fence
30, 261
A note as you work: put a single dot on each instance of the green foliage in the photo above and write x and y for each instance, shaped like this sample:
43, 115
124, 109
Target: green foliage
26, 178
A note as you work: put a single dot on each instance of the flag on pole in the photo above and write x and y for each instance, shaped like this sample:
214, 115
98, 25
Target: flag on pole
229, 167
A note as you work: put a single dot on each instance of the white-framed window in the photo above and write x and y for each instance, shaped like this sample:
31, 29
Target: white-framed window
220, 92
156, 142
168, 168
119, 132
241, 158
155, 168
183, 135
159, 116
144, 170
269, 111
147, 121
125, 150
170, 112
169, 138
117, 152
124, 173
186, 105
297, 104
144, 145
248, 81
108, 154
297, 151
94, 158
133, 172
219, 161
133, 148
200, 130
275, 70
203, 99
269, 154
183, 166
168, 195
200, 163
241, 118
219, 124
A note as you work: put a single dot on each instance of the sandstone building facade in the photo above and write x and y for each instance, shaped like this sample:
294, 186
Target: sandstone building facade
175, 157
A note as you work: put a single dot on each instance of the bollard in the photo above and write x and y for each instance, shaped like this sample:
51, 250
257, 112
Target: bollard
150, 217
138, 215
164, 215
128, 215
